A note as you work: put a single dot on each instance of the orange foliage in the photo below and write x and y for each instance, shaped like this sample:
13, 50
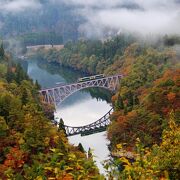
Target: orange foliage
3, 168
171, 96
15, 158
132, 114
114, 98
67, 177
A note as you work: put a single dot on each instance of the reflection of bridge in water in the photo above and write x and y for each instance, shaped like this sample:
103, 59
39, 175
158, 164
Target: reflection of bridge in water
58, 94
98, 126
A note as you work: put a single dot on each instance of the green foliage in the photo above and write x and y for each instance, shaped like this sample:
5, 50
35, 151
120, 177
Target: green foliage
119, 104
90, 56
171, 40
3, 70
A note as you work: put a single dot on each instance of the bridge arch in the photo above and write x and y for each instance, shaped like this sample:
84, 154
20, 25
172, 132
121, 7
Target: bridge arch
70, 94
58, 94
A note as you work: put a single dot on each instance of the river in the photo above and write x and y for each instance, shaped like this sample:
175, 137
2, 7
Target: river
81, 108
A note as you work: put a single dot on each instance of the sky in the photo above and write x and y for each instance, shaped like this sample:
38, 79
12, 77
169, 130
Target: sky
134, 16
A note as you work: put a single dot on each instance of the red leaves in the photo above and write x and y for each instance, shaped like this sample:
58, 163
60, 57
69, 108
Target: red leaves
15, 158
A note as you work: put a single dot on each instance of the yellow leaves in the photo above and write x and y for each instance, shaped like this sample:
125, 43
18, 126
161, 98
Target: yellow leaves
119, 146
21, 141
71, 156
53, 131
56, 170
2, 86
53, 150
39, 178
49, 168
3, 125
46, 141
56, 138
124, 160
60, 154
68, 168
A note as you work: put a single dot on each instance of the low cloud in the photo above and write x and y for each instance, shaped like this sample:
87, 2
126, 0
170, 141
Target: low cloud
134, 16
113, 16
15, 6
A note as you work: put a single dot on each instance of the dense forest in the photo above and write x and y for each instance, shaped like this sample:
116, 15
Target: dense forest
145, 123
31, 146
49, 18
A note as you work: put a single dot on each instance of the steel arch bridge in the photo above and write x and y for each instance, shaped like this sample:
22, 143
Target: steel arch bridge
58, 94
98, 126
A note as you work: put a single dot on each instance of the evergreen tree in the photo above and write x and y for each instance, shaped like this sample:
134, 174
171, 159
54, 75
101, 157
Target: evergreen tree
136, 100
81, 148
130, 99
1, 51
119, 103
37, 85
24, 97
10, 75
61, 126
90, 156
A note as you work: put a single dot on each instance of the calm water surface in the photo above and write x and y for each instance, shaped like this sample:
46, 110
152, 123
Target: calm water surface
77, 110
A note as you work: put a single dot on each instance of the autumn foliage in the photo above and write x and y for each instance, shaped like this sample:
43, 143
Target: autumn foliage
31, 146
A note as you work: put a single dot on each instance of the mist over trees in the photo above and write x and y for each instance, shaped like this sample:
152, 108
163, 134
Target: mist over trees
50, 18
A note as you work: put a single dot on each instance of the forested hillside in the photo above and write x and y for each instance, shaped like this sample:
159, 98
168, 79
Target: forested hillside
146, 103
50, 17
31, 146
